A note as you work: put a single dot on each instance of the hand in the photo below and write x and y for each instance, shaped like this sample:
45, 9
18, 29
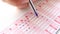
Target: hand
19, 3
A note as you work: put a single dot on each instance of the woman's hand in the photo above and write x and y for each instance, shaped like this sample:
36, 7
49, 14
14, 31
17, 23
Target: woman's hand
19, 3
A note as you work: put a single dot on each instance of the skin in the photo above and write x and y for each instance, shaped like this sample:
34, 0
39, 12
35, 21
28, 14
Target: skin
19, 3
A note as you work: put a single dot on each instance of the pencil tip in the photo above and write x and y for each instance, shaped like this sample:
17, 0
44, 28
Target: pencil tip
36, 14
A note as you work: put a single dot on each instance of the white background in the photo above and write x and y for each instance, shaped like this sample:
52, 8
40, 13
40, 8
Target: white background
8, 15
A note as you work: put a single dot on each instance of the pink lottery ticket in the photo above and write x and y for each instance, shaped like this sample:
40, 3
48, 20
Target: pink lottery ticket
47, 22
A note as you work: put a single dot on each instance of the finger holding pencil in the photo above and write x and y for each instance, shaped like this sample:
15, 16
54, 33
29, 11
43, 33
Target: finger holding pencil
22, 4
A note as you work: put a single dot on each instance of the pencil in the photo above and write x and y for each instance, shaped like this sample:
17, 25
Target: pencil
33, 7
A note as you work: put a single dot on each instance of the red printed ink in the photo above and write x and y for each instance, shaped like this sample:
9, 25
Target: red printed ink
57, 21
48, 32
16, 24
10, 28
47, 23
26, 17
53, 26
59, 16
21, 20
31, 13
